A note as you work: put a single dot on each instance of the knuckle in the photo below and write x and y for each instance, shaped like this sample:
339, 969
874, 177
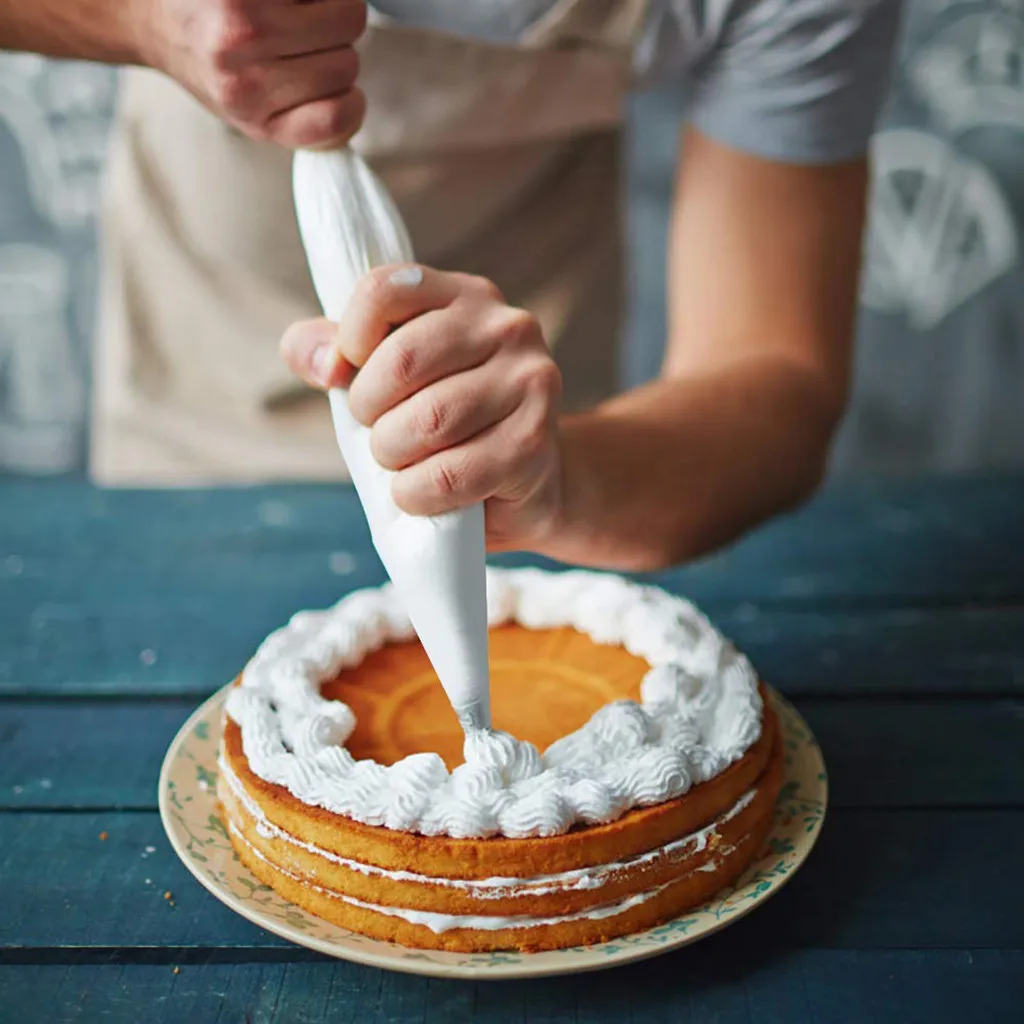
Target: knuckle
358, 15
486, 289
373, 289
542, 385
447, 477
532, 433
404, 363
235, 91
544, 382
431, 420
325, 122
232, 34
517, 327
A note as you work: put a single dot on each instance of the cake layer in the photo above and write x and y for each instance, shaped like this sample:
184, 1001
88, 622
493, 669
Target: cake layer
401, 709
347, 785
544, 895
699, 710
658, 896
637, 832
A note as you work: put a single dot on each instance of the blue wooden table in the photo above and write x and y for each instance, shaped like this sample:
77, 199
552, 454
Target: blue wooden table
892, 614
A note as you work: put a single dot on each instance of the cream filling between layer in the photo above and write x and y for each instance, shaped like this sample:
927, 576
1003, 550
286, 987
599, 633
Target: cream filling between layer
440, 923
496, 887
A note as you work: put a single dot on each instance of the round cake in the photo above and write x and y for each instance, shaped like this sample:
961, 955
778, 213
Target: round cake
631, 773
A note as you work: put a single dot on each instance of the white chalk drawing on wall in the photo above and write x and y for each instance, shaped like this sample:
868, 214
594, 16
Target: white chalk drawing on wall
59, 113
971, 72
42, 384
940, 230
929, 8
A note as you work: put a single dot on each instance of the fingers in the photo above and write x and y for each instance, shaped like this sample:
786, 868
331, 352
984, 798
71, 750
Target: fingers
458, 387
385, 299
308, 347
290, 30
475, 471
323, 124
281, 72
299, 80
436, 345
441, 416
503, 461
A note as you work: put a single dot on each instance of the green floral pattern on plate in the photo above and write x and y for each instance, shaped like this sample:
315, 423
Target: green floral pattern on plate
188, 807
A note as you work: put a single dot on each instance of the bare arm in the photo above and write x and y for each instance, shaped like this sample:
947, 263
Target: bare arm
99, 30
762, 283
461, 394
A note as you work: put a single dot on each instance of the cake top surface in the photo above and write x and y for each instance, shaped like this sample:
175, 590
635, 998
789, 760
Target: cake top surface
700, 710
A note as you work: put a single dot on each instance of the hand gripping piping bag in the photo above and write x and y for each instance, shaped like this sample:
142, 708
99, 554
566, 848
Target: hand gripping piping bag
349, 224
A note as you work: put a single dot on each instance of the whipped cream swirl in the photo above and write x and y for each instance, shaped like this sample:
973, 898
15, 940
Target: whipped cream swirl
700, 710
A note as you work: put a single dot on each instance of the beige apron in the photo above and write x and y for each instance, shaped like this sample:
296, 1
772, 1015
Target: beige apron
502, 159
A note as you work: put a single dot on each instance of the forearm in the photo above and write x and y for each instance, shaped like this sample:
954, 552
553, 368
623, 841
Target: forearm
100, 30
677, 468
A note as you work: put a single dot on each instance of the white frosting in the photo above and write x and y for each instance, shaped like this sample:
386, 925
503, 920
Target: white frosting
700, 711
349, 225
440, 923
498, 886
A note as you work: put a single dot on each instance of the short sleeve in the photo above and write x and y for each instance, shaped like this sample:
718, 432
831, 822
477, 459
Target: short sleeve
799, 81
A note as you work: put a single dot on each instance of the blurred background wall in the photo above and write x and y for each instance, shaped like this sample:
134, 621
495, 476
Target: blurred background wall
940, 369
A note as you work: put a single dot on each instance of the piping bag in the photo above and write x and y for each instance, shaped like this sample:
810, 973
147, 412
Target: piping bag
349, 224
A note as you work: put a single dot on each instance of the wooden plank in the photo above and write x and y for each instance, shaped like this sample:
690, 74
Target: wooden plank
885, 542
155, 645
880, 753
879, 879
704, 983
85, 754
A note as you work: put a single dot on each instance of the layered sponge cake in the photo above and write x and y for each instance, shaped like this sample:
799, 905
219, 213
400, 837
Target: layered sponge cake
632, 771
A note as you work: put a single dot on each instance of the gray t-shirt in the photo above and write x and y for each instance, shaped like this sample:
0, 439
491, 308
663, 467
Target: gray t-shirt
793, 80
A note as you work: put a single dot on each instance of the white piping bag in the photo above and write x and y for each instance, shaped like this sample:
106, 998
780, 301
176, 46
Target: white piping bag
349, 225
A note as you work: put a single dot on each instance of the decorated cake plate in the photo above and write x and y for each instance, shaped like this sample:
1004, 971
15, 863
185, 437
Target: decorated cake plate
189, 810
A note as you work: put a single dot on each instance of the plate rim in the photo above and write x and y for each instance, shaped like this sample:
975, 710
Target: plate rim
524, 966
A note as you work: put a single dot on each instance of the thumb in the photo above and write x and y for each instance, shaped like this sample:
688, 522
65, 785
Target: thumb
309, 348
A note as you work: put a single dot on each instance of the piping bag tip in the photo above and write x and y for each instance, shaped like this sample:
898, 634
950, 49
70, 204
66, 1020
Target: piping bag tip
349, 225
437, 565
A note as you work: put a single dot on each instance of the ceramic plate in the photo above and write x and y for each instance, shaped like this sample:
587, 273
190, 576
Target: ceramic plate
188, 808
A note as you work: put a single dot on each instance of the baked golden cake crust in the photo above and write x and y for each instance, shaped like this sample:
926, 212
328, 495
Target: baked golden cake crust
586, 885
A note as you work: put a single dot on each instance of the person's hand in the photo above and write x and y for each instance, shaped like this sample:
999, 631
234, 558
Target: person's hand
459, 391
277, 70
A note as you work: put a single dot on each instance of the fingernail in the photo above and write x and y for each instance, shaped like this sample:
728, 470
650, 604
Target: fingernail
323, 362
407, 277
